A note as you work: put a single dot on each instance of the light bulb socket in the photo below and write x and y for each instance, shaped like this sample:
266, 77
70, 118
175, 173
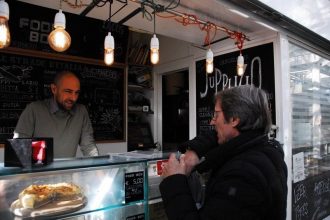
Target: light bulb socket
109, 42
240, 60
154, 43
4, 9
59, 20
209, 56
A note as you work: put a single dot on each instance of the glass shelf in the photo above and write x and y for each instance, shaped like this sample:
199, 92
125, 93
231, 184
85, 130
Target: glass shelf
65, 164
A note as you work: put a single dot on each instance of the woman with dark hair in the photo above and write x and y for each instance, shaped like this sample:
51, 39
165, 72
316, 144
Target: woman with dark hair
248, 175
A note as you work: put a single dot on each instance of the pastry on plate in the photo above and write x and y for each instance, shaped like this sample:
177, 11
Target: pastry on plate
35, 196
66, 191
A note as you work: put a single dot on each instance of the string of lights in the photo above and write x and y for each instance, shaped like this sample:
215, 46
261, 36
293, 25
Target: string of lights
207, 26
60, 40
185, 19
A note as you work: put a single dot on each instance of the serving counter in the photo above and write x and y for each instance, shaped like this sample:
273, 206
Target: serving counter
115, 186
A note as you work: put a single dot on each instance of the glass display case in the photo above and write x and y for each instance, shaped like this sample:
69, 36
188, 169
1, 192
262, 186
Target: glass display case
109, 188
154, 159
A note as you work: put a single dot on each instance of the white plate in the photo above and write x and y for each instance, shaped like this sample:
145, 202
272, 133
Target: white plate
53, 208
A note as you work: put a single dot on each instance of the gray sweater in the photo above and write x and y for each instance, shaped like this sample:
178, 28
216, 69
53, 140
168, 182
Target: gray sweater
67, 128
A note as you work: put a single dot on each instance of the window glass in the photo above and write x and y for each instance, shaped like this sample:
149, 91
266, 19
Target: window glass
310, 95
314, 15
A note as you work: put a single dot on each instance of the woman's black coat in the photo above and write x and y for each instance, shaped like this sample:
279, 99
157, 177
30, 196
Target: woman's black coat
248, 180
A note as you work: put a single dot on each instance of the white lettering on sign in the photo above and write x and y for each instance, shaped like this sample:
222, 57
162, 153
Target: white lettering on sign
301, 210
220, 80
38, 30
322, 187
299, 192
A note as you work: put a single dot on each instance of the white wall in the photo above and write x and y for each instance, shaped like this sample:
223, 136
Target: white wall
171, 49
105, 148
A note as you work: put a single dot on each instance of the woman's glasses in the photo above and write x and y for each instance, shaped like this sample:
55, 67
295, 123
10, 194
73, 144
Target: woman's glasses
215, 115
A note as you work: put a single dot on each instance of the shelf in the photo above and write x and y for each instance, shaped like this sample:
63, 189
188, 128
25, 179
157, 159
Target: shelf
62, 164
140, 87
139, 109
133, 87
140, 112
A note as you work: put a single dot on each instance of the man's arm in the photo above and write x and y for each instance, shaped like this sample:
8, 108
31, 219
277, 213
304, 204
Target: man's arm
200, 144
196, 148
87, 142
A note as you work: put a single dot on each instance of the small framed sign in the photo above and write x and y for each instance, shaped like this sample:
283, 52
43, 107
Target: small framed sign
134, 186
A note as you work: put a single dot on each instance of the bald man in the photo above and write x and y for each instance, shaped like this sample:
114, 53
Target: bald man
61, 118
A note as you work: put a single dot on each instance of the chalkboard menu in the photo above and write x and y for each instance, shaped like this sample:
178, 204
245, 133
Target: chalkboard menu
259, 72
24, 79
311, 198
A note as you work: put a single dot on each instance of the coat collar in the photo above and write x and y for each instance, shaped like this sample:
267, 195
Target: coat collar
224, 152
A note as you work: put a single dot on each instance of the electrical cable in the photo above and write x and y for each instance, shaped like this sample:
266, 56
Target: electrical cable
183, 18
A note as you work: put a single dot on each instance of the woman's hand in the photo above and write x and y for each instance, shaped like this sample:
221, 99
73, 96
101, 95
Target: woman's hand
174, 166
191, 160
184, 165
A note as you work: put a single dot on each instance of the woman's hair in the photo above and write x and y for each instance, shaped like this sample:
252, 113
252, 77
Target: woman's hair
249, 104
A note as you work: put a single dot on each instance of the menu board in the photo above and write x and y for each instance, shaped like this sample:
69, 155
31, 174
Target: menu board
311, 198
24, 79
259, 72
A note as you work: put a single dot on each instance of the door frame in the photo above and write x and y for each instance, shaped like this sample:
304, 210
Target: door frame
186, 63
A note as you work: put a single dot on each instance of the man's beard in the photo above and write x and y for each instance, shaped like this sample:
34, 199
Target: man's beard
63, 108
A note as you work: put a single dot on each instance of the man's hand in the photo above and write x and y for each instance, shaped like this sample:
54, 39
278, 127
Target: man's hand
174, 166
184, 165
191, 160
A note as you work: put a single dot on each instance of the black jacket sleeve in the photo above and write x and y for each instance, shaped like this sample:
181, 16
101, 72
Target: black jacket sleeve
177, 198
200, 144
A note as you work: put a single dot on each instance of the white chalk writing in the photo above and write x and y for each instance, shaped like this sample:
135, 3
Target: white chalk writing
299, 192
301, 210
321, 187
220, 80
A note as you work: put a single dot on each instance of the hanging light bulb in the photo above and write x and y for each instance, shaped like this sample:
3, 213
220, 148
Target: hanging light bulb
209, 61
154, 50
4, 28
109, 48
154, 44
240, 65
109, 43
59, 40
